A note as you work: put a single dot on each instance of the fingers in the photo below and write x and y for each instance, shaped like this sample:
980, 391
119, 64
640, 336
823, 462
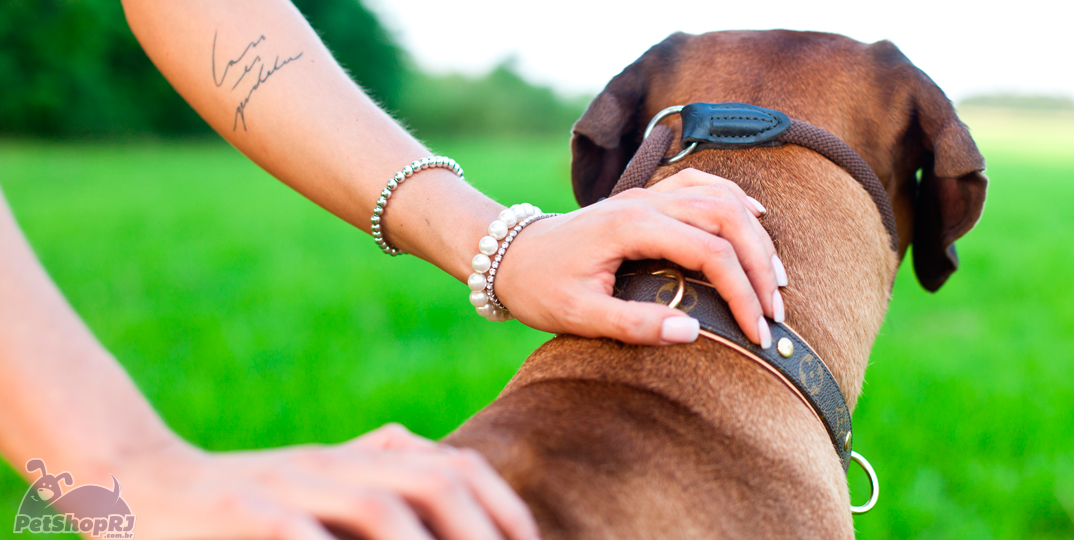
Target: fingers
758, 270
657, 236
245, 515
639, 323
754, 215
688, 178
446, 502
301, 528
305, 493
298, 527
393, 436
369, 513
716, 211
694, 181
455, 491
377, 516
510, 513
459, 495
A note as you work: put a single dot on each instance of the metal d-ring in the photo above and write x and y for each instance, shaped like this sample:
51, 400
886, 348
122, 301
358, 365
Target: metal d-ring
874, 484
656, 120
680, 282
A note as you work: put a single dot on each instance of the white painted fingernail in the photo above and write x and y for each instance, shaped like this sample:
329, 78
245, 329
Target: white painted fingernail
757, 205
777, 306
766, 335
781, 273
680, 329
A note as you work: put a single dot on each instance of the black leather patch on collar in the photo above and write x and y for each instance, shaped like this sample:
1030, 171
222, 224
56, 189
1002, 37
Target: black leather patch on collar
731, 125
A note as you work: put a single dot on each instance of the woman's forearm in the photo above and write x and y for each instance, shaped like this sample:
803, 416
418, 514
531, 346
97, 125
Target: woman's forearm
261, 77
62, 396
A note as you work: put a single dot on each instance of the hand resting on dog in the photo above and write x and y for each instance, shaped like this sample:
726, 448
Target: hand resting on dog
698, 220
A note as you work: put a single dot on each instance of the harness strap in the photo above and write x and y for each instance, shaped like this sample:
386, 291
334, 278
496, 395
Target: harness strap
832, 147
643, 165
652, 150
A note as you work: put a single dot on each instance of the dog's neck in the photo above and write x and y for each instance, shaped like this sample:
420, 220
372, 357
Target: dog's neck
829, 236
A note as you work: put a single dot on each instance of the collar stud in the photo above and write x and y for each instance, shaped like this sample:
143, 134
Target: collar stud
785, 347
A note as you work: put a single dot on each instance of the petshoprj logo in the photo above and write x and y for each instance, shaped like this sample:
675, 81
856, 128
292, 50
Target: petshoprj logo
91, 510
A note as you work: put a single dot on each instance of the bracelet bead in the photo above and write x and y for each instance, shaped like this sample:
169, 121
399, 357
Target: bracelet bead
488, 245
476, 281
498, 229
479, 298
481, 263
508, 217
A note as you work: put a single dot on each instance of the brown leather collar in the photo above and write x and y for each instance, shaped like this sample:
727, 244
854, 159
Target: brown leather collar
790, 358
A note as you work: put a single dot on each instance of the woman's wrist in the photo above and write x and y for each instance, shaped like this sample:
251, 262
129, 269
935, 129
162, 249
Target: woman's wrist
491, 250
132, 456
416, 166
438, 217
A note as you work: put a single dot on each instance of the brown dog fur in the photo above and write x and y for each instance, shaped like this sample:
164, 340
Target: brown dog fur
606, 440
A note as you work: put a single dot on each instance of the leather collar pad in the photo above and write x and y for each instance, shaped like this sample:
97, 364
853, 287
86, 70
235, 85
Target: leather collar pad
731, 125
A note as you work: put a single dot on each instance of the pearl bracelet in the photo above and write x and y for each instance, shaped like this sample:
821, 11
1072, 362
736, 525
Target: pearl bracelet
441, 162
491, 291
482, 295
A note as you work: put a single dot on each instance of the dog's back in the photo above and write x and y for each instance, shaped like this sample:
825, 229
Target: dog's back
598, 455
606, 440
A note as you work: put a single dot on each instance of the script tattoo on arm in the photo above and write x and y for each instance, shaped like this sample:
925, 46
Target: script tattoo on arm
263, 74
230, 63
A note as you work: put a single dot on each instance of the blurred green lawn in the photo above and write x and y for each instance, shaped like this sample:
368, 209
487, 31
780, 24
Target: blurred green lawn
251, 318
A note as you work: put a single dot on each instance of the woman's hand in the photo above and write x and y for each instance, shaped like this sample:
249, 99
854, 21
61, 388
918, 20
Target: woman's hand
388, 484
559, 273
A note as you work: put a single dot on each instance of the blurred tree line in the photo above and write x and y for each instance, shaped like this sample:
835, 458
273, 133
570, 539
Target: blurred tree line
499, 102
72, 68
1019, 101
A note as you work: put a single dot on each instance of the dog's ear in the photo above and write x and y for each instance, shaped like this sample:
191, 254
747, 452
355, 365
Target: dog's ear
950, 193
605, 138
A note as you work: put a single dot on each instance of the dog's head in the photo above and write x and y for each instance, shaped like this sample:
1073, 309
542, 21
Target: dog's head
870, 96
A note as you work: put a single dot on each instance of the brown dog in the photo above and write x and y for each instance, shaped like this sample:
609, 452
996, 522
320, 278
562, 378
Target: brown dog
606, 440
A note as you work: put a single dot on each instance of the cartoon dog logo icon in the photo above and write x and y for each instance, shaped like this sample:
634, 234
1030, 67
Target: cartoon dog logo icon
88, 509
44, 491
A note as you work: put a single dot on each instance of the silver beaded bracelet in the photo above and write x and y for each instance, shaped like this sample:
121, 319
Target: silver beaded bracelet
441, 162
483, 294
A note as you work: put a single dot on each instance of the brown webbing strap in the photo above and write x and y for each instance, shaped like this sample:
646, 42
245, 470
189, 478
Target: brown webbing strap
645, 161
651, 152
833, 148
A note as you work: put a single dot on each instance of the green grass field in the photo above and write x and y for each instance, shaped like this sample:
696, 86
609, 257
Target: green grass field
251, 318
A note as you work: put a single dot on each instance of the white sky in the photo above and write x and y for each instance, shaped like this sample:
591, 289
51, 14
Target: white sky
575, 46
